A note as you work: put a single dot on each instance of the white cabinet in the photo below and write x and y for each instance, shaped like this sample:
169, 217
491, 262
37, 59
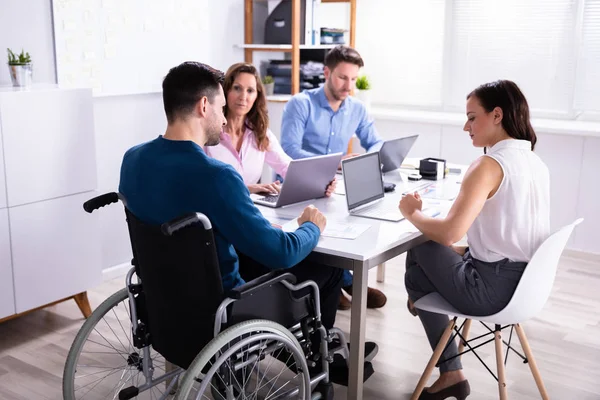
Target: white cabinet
7, 299
49, 246
48, 139
55, 250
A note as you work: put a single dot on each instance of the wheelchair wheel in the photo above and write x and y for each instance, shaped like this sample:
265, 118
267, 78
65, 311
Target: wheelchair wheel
103, 360
255, 359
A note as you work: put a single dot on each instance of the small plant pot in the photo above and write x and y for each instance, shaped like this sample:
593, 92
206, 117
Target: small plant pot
21, 75
365, 97
269, 88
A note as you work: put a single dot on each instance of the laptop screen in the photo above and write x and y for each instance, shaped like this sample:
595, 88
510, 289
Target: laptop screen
395, 151
362, 179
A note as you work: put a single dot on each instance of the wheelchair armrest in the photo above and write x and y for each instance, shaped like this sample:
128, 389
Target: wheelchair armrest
260, 283
169, 228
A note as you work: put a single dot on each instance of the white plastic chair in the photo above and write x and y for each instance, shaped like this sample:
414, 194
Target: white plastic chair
529, 298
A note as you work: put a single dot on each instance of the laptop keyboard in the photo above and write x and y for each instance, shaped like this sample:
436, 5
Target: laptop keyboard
383, 209
270, 198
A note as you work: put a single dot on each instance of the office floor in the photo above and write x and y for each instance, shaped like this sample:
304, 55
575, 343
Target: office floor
565, 339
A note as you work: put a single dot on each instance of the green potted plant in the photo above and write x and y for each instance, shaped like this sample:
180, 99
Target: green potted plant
363, 90
269, 84
19, 67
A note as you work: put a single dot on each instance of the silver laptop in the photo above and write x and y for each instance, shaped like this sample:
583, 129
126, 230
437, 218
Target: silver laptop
363, 182
306, 179
394, 151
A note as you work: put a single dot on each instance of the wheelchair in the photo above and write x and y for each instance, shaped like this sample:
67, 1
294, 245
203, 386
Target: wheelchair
172, 331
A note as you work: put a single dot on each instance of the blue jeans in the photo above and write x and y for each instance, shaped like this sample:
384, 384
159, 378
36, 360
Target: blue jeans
346, 279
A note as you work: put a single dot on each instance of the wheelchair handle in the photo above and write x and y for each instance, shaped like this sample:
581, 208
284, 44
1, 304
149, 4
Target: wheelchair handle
101, 201
169, 228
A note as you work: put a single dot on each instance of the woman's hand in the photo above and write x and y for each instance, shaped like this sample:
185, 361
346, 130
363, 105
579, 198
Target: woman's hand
331, 187
268, 188
410, 203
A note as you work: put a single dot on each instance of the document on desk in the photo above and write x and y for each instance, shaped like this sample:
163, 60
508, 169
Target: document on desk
441, 191
334, 229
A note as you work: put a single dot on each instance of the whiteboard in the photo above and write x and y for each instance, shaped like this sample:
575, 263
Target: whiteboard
120, 47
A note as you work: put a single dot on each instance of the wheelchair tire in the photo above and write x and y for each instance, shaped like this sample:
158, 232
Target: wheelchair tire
246, 335
116, 359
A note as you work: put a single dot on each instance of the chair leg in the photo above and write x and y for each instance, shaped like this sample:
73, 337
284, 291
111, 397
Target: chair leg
465, 332
381, 272
500, 364
531, 361
433, 360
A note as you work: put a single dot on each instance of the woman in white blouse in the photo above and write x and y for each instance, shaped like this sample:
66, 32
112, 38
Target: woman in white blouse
247, 143
504, 209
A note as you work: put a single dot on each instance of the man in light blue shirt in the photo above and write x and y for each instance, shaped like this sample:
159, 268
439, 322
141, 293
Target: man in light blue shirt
322, 121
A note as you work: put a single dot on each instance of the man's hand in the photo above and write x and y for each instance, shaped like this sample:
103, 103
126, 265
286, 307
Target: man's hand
409, 204
350, 155
269, 188
331, 187
311, 214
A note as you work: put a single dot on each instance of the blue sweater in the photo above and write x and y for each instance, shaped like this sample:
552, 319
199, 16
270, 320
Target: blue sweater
164, 179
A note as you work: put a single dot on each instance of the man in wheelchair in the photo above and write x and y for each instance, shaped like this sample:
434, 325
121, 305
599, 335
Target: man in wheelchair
171, 176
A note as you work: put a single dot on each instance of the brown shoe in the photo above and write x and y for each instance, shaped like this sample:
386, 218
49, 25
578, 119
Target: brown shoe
345, 303
375, 297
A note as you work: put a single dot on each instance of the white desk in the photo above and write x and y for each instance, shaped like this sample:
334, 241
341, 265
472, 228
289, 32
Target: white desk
381, 242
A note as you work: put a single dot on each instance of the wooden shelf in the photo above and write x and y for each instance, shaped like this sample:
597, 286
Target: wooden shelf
283, 47
295, 47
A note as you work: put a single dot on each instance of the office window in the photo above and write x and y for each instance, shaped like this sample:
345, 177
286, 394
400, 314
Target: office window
528, 41
402, 43
587, 95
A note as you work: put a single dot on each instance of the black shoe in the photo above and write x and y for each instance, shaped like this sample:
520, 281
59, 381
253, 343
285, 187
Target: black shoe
459, 391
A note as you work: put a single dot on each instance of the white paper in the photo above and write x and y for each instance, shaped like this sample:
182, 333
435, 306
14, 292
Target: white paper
339, 230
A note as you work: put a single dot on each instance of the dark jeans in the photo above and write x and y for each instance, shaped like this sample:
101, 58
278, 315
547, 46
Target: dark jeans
328, 279
471, 286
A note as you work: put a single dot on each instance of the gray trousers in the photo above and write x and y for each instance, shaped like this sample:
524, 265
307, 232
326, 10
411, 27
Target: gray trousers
473, 287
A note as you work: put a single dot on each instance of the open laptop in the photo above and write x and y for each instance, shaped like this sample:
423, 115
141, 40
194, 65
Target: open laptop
394, 151
306, 179
363, 182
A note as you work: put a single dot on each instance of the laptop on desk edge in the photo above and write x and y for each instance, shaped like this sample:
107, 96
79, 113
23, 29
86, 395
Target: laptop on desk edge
306, 179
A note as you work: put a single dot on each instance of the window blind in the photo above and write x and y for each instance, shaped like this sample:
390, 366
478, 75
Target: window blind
527, 41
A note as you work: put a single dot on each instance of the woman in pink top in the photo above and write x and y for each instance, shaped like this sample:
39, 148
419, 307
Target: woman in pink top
246, 141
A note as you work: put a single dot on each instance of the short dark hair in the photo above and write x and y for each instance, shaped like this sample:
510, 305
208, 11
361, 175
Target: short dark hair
515, 110
186, 84
341, 54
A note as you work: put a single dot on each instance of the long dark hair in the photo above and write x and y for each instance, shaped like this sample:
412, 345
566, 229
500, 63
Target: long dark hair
507, 95
258, 117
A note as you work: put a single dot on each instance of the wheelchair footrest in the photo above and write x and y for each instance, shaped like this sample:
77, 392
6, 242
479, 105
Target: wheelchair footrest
129, 393
338, 370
